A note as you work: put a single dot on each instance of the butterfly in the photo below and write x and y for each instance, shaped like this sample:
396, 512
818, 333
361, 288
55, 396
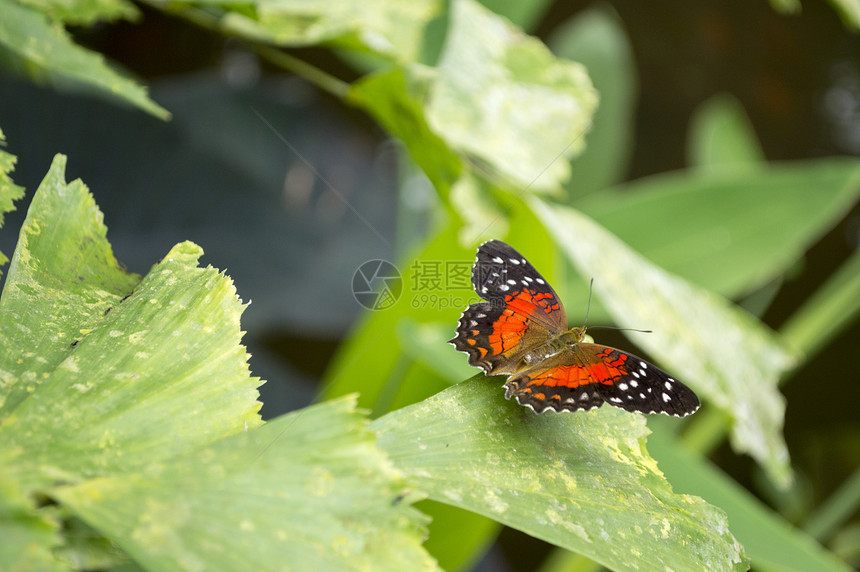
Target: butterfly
520, 330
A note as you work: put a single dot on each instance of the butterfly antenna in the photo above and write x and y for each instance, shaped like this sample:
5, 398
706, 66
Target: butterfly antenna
621, 329
588, 306
588, 309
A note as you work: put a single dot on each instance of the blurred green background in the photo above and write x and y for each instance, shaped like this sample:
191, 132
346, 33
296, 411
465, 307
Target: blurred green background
273, 216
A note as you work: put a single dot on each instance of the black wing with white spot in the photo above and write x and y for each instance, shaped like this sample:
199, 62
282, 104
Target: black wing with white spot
631, 383
521, 311
503, 276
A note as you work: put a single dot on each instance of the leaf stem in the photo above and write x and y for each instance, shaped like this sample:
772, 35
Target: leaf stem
314, 75
208, 20
705, 431
832, 308
835, 510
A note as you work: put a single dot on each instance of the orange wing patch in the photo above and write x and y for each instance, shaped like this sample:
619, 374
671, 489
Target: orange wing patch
570, 376
608, 368
558, 386
508, 330
527, 301
513, 323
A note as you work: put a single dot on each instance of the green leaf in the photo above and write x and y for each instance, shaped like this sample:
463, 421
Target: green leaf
771, 542
786, 6
502, 97
84, 12
730, 231
374, 348
722, 137
378, 363
422, 343
28, 535
524, 15
89, 550
596, 38
583, 482
837, 509
727, 356
94, 384
372, 361
832, 308
62, 279
458, 538
9, 191
849, 11
393, 98
393, 29
44, 49
483, 218
309, 491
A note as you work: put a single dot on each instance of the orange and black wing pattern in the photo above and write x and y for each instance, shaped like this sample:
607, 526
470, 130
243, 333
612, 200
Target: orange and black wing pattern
560, 383
629, 382
584, 376
521, 310
521, 330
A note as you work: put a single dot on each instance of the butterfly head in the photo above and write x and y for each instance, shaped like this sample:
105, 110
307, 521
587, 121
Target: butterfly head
574, 336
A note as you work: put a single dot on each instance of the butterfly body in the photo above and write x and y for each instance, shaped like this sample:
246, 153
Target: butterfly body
555, 345
520, 330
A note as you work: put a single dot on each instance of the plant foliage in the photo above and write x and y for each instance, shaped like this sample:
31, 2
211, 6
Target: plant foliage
129, 425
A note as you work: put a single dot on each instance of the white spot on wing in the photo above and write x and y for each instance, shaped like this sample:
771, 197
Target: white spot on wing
539, 281
668, 385
514, 261
666, 398
504, 287
622, 386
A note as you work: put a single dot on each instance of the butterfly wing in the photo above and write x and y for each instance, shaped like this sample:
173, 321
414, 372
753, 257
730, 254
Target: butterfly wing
585, 375
521, 310
631, 383
559, 383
